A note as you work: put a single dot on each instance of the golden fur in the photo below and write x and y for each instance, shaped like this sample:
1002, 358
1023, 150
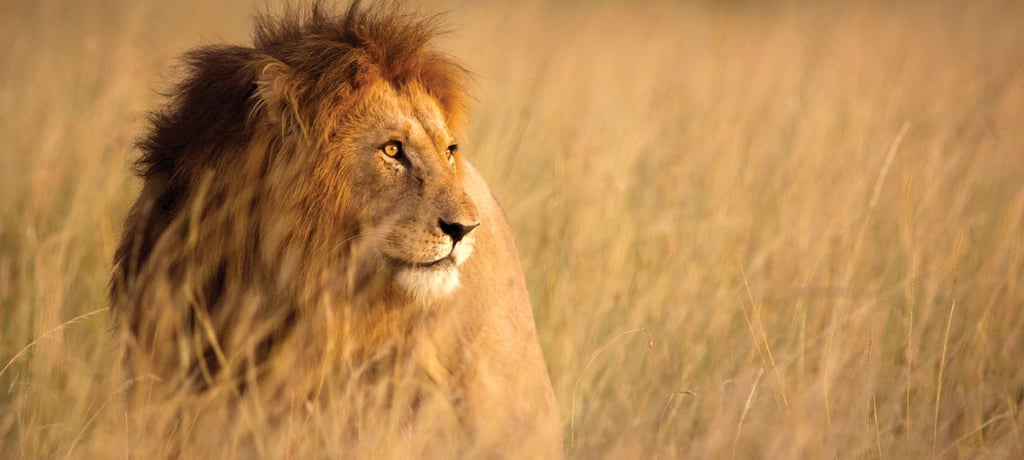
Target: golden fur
307, 220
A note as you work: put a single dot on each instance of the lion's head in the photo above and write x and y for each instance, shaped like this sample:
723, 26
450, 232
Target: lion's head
309, 192
400, 175
362, 115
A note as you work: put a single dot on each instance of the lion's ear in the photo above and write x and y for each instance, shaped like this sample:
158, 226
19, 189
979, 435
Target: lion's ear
276, 96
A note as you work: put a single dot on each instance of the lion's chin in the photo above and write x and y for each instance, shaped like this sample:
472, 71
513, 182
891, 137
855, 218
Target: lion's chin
428, 283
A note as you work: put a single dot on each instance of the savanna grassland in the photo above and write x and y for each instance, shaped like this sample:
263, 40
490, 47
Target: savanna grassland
750, 229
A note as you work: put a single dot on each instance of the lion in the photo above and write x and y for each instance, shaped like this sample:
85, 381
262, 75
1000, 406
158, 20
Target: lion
309, 233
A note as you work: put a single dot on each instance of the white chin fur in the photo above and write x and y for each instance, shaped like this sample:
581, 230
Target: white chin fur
427, 285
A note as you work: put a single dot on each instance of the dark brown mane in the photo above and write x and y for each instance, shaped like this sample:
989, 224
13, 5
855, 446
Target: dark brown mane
327, 57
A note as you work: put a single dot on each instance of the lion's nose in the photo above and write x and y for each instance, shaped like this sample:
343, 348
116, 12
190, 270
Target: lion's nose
456, 230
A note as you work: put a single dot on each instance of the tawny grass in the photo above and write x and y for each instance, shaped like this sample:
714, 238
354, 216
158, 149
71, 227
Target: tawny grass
816, 211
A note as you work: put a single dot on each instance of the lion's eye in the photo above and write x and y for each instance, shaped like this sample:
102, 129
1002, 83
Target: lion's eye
450, 153
392, 149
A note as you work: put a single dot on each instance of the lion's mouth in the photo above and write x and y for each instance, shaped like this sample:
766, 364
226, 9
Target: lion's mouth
444, 263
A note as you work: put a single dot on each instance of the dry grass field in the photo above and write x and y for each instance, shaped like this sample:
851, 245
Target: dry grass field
750, 229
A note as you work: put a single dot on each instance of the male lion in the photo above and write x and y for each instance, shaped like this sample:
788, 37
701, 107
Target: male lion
309, 235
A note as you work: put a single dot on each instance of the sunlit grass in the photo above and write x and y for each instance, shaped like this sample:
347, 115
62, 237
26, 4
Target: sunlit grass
817, 212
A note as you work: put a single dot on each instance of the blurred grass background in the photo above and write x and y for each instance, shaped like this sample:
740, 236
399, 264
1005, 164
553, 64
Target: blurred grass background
815, 211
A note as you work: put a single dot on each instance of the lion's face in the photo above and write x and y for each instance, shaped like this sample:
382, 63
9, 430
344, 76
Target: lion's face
397, 166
